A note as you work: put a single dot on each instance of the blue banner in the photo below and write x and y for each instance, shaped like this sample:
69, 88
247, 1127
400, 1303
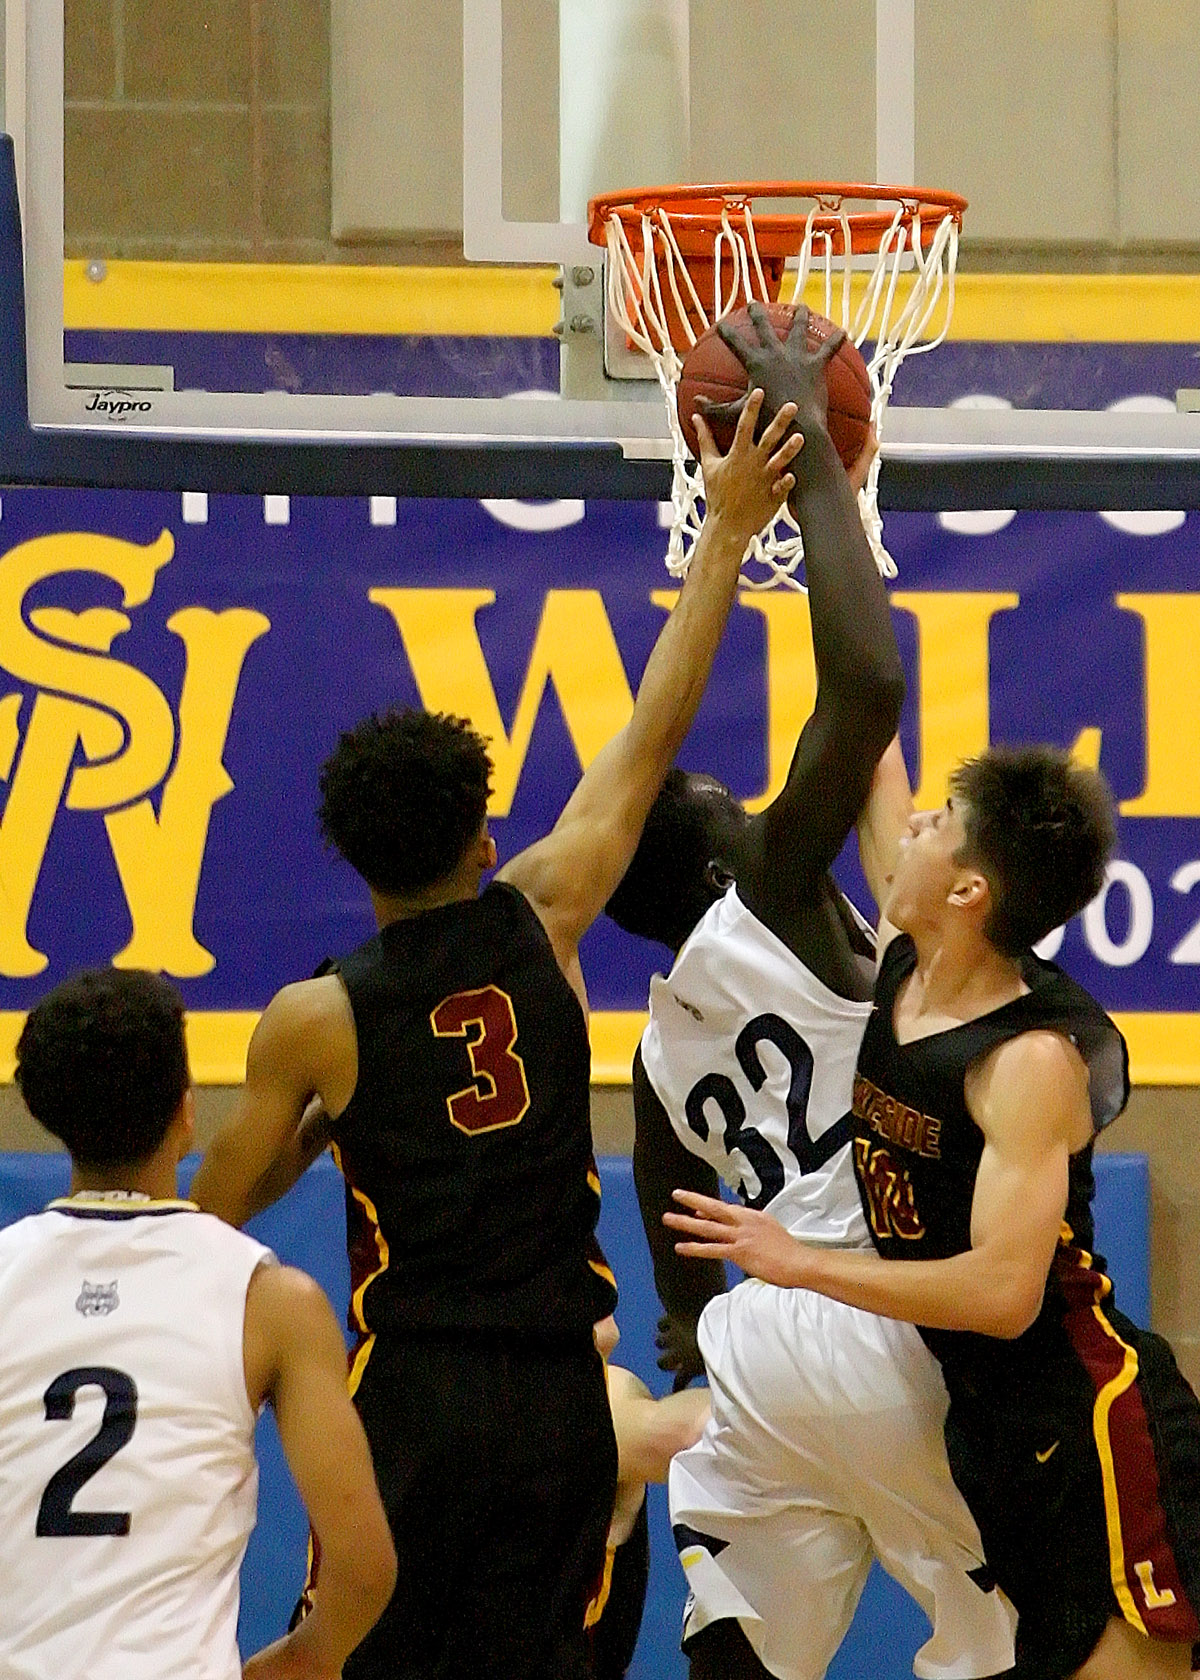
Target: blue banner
174, 670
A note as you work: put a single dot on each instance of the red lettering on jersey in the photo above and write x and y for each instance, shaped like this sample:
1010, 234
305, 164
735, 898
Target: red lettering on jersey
888, 1192
500, 1096
895, 1120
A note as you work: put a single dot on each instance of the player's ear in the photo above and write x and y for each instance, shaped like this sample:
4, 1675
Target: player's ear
971, 891
485, 854
718, 875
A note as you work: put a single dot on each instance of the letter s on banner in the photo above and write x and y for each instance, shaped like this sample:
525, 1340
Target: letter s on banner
534, 516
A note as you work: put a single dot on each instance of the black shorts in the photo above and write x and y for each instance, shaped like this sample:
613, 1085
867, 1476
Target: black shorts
497, 1466
1085, 1483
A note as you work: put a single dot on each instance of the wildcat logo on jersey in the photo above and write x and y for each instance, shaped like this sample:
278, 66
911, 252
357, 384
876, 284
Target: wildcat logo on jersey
888, 1192
97, 1300
89, 732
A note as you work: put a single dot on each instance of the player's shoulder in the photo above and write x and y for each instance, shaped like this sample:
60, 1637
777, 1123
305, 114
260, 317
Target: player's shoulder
24, 1234
1034, 1081
288, 1309
303, 1012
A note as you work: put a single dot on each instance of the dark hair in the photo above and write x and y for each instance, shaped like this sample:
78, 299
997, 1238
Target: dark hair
1041, 828
666, 888
102, 1063
403, 795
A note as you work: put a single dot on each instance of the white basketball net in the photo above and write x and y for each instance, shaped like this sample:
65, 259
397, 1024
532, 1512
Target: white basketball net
900, 321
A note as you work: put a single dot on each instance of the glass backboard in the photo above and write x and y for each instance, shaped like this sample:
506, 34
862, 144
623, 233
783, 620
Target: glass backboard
280, 225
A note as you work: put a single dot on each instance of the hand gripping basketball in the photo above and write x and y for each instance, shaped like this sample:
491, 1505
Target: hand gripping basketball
785, 370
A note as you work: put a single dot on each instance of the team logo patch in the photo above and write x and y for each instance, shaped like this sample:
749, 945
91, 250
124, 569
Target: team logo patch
97, 1300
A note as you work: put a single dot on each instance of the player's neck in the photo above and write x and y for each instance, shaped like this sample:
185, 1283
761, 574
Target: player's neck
390, 907
961, 974
156, 1179
458, 887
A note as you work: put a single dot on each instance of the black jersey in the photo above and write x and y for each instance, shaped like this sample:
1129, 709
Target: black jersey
472, 1194
917, 1149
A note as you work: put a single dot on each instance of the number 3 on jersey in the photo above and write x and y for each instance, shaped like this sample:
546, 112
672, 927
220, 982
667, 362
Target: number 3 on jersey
500, 1095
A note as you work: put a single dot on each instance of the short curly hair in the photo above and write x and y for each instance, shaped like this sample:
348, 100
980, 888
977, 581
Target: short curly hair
403, 794
102, 1063
1041, 829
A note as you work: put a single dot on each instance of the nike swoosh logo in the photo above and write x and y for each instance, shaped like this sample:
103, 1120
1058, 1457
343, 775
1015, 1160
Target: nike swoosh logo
1043, 1456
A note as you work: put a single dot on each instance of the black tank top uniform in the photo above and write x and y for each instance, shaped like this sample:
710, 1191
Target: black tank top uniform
1076, 1444
472, 1193
476, 1278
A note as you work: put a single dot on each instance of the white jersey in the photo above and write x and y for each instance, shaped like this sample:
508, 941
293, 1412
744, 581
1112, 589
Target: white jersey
753, 1059
128, 1482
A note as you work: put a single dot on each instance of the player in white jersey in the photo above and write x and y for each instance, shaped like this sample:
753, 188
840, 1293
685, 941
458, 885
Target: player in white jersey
140, 1338
825, 1443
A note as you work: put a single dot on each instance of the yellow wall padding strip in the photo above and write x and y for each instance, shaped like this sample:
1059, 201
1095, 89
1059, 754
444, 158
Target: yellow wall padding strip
310, 298
521, 302
1163, 1049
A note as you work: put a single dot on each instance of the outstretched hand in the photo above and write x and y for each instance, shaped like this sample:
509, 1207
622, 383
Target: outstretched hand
753, 1240
745, 487
786, 371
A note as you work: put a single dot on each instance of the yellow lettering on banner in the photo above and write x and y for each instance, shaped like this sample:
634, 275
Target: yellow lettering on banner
56, 728
159, 857
574, 649
952, 658
1086, 748
76, 662
1172, 689
100, 736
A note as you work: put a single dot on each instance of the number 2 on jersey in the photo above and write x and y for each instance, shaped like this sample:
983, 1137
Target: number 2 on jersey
500, 1096
55, 1517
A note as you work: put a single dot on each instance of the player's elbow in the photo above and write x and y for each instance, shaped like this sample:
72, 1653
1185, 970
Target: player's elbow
883, 694
380, 1570
867, 699
1015, 1305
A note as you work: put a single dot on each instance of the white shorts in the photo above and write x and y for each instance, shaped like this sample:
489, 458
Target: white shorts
825, 1450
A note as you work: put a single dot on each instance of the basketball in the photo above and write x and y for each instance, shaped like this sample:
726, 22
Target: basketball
710, 369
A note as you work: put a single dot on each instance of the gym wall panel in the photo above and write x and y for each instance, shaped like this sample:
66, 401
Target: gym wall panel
783, 92
1015, 111
1158, 121
395, 117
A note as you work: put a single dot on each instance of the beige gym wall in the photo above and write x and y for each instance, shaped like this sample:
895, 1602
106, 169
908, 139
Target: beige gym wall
330, 130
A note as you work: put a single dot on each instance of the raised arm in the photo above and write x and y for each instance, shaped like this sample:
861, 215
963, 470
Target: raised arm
1030, 1100
296, 1359
860, 681
569, 876
882, 822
